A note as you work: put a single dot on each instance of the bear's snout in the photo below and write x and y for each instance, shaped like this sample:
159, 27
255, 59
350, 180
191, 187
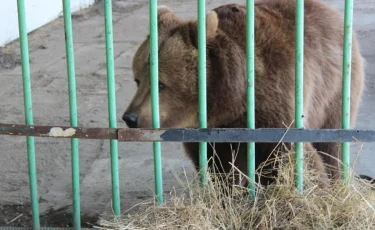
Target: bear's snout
131, 120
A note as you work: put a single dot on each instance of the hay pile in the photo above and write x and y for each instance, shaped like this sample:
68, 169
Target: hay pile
278, 206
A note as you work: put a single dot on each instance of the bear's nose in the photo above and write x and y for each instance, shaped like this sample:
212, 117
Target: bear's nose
131, 120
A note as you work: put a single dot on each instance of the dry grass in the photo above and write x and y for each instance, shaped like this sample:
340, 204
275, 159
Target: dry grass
278, 206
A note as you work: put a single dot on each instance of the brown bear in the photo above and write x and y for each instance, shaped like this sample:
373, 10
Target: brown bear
226, 77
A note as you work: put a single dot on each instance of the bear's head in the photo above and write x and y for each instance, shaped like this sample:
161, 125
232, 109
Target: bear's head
178, 75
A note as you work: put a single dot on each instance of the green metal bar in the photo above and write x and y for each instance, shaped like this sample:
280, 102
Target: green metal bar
250, 52
111, 88
28, 111
73, 111
346, 72
154, 79
202, 94
299, 39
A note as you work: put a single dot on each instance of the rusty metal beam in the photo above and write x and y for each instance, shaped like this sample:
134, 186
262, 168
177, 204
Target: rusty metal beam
58, 131
192, 135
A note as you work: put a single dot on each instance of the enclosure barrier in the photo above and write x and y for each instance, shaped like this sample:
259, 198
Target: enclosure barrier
28, 111
111, 88
73, 110
346, 79
154, 74
250, 67
202, 92
299, 89
202, 134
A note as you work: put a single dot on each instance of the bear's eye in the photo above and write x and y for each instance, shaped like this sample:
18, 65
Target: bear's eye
161, 86
137, 82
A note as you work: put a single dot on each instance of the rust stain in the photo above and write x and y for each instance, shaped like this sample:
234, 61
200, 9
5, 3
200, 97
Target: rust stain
131, 135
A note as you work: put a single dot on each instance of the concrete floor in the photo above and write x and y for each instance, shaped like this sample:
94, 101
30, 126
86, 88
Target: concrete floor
50, 100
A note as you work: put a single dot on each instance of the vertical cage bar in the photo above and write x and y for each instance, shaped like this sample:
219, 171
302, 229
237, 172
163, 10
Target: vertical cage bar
69, 48
202, 94
112, 104
346, 72
154, 75
299, 39
250, 52
28, 111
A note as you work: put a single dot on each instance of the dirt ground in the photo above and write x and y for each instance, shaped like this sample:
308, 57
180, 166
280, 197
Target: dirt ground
51, 107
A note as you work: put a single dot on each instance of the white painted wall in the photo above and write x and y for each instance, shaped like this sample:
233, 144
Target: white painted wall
38, 13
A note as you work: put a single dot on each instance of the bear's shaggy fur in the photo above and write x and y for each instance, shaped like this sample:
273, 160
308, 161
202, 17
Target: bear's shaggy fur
226, 77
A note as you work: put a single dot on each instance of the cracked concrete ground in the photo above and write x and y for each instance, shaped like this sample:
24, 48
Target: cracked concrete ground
50, 101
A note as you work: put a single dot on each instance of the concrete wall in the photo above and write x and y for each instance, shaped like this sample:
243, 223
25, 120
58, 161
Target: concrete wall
38, 13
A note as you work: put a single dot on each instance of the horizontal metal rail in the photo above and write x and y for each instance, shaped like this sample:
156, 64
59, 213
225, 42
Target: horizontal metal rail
270, 135
41, 228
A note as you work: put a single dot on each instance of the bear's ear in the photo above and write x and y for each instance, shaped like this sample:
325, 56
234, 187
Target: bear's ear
212, 23
166, 18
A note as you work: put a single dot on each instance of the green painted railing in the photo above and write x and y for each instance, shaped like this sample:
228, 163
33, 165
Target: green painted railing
250, 65
202, 93
28, 111
299, 89
73, 111
111, 88
346, 72
154, 74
